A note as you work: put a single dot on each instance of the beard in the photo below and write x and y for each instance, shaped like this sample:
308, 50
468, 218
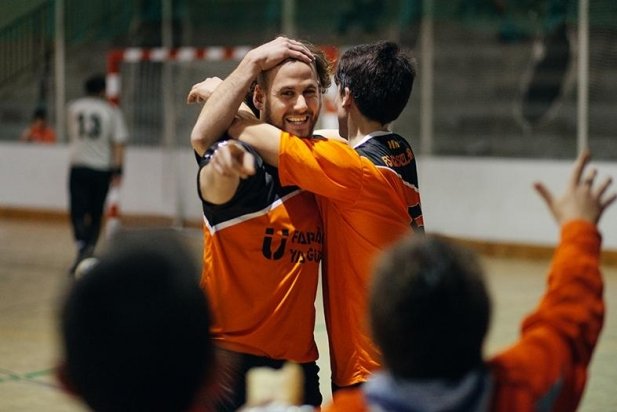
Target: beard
281, 124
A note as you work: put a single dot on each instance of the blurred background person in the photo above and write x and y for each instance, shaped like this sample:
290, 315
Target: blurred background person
39, 130
97, 136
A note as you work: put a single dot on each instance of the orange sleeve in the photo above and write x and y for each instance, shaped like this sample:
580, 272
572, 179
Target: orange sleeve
325, 167
347, 400
559, 337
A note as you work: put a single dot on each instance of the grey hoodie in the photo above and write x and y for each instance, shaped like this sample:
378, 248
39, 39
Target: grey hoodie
386, 393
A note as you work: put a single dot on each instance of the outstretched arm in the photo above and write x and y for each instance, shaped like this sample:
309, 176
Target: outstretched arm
559, 337
220, 108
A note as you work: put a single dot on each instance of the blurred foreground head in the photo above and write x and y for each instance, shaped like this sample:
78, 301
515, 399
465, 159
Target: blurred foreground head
429, 309
135, 328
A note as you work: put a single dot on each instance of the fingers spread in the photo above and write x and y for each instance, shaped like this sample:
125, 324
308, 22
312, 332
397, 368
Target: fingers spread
544, 193
591, 176
601, 191
579, 166
608, 201
603, 187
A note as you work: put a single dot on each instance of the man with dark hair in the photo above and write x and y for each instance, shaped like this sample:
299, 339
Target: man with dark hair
429, 313
97, 136
367, 190
135, 329
95, 85
438, 302
380, 78
262, 241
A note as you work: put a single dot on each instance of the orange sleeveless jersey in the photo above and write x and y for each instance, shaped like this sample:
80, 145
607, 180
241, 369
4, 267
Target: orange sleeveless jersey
261, 260
369, 198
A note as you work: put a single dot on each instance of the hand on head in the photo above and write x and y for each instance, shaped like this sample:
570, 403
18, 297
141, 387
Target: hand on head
581, 199
231, 159
266, 56
270, 54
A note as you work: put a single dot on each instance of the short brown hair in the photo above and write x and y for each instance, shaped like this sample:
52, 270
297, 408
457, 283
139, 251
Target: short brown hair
323, 67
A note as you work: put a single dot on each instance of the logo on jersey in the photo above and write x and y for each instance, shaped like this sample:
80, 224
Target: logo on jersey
266, 248
304, 246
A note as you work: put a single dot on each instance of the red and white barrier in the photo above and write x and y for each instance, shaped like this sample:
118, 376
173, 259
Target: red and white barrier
116, 57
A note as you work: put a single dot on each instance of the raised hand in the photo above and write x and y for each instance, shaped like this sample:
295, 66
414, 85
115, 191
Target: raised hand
201, 92
581, 200
272, 53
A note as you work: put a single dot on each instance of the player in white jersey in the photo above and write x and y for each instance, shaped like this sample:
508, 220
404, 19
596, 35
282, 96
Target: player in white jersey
97, 135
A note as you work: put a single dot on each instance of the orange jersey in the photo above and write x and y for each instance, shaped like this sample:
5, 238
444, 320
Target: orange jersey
547, 368
368, 197
41, 134
261, 260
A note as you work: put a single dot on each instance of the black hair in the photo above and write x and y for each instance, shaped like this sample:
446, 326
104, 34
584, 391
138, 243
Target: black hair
95, 85
380, 78
429, 309
39, 113
135, 328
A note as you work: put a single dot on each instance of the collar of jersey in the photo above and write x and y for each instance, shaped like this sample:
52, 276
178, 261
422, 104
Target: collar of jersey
371, 135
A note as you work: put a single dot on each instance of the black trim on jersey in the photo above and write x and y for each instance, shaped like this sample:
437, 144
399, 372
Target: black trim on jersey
391, 151
254, 193
394, 152
415, 212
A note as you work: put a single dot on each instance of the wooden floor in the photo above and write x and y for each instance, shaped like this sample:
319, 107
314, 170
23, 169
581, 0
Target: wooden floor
35, 255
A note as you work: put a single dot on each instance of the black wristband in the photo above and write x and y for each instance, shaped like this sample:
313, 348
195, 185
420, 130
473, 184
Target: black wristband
116, 171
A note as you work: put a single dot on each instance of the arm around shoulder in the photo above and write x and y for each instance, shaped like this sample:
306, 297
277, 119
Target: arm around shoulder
263, 137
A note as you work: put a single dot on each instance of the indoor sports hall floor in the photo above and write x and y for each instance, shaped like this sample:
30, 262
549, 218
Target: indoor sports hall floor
34, 256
